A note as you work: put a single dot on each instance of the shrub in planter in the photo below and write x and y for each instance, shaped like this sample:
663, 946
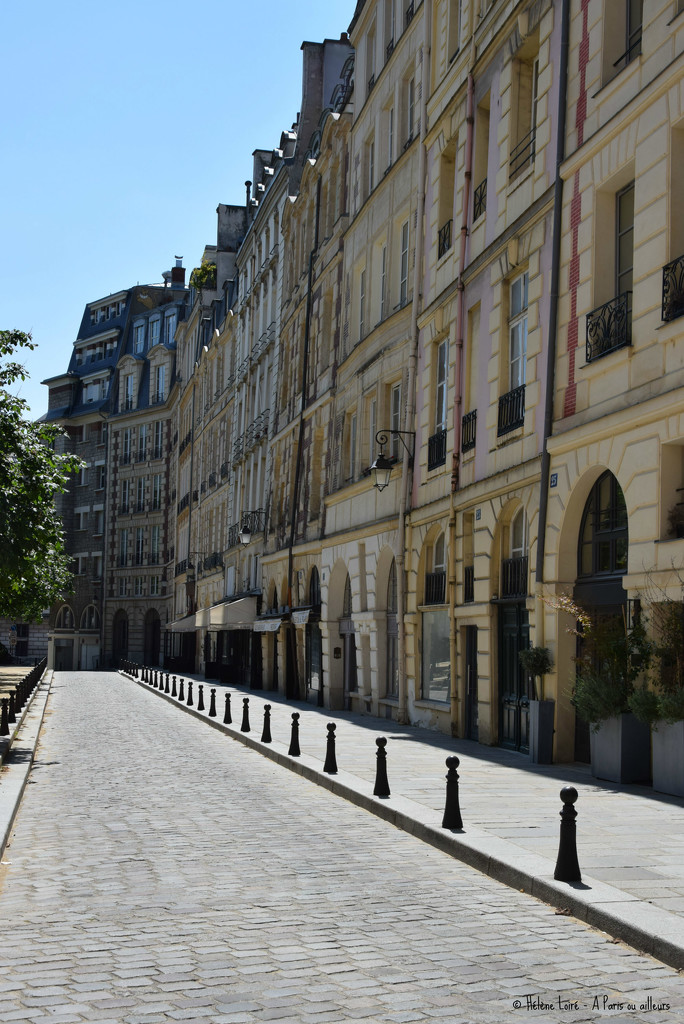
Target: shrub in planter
537, 661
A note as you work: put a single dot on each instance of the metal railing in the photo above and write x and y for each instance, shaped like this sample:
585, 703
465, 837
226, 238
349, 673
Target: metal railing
511, 410
184, 502
444, 239
673, 289
437, 449
468, 430
480, 199
523, 154
514, 577
609, 327
410, 11
435, 587
469, 584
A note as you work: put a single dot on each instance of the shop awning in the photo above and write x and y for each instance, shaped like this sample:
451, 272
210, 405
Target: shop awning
184, 625
270, 625
240, 614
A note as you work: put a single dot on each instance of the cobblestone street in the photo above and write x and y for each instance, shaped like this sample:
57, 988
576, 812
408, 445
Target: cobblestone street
160, 871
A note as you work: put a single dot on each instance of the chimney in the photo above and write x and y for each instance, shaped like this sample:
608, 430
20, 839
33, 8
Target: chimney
178, 274
248, 186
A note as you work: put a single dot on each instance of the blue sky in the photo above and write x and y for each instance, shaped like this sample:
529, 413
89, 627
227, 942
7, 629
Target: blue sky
123, 126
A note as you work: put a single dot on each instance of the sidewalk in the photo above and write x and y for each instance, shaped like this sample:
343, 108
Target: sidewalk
630, 840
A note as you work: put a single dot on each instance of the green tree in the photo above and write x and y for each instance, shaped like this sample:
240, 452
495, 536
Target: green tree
34, 566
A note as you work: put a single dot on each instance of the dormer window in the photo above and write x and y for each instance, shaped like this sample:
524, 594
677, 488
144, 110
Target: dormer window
138, 338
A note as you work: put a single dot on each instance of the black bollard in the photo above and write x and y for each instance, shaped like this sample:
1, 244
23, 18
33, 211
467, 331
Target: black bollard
212, 704
294, 750
174, 691
245, 715
189, 702
11, 712
227, 717
266, 731
166, 686
452, 809
4, 724
181, 690
330, 765
381, 783
200, 700
567, 865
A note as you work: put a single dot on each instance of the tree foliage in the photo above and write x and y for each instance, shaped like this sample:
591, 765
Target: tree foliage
34, 566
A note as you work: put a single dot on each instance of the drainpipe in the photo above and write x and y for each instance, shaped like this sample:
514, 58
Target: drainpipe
407, 461
553, 321
292, 640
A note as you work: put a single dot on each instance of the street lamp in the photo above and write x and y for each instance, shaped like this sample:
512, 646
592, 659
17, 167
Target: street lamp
245, 534
382, 466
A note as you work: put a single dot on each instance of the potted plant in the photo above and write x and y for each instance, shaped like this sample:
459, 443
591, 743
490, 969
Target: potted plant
537, 661
612, 658
659, 700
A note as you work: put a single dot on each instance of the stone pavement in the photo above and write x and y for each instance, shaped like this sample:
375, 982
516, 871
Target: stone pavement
160, 872
630, 840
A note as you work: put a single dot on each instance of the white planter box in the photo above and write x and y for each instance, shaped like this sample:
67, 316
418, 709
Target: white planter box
621, 750
668, 758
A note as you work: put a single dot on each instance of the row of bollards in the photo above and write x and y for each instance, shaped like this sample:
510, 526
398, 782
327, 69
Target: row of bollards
567, 866
12, 705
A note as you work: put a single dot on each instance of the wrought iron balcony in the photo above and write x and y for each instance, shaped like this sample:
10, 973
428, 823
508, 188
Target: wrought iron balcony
371, 83
480, 199
514, 577
157, 452
409, 14
435, 587
182, 567
142, 455
673, 289
213, 561
437, 449
468, 430
254, 521
185, 442
523, 154
224, 470
389, 49
238, 449
212, 479
469, 584
609, 327
184, 502
444, 239
128, 403
511, 410
125, 458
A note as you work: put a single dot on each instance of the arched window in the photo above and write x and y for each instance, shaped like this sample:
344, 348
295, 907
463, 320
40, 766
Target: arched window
603, 534
435, 575
392, 670
514, 566
65, 618
90, 618
348, 640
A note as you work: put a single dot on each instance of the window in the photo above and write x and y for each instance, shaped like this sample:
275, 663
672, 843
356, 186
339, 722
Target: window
126, 438
129, 384
524, 109
609, 326
138, 588
169, 328
154, 332
454, 29
124, 507
140, 494
404, 264
383, 283
99, 522
514, 567
517, 330
139, 544
139, 338
80, 565
362, 304
622, 27
390, 136
390, 27
436, 662
155, 586
155, 533
142, 443
123, 585
410, 101
371, 166
435, 575
156, 491
81, 519
370, 58
395, 421
437, 443
97, 565
65, 618
82, 477
100, 476
447, 173
159, 384
372, 429
481, 158
351, 448
123, 546
90, 619
158, 435
603, 540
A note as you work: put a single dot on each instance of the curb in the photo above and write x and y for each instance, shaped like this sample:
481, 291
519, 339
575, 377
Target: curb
646, 928
18, 760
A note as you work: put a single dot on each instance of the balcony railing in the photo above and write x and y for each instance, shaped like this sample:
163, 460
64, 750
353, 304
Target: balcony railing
673, 289
437, 449
435, 587
469, 584
632, 51
142, 455
523, 154
238, 449
224, 470
511, 410
514, 577
468, 430
213, 561
480, 199
409, 14
254, 521
609, 327
184, 502
185, 442
212, 479
389, 49
371, 83
125, 458
182, 567
157, 452
444, 239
